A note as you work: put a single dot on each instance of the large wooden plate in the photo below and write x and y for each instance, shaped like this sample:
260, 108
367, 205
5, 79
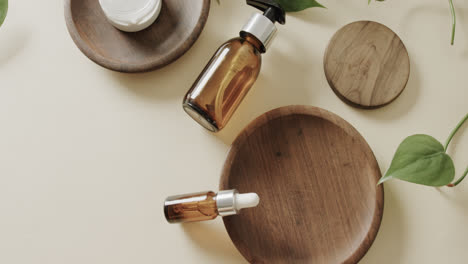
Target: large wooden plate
174, 32
316, 177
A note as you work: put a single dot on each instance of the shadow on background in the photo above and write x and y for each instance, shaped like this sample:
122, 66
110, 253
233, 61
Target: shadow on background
316, 16
13, 42
402, 104
213, 241
462, 28
390, 240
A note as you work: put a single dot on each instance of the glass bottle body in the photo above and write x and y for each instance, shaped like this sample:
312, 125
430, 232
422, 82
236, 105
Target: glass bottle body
191, 207
224, 82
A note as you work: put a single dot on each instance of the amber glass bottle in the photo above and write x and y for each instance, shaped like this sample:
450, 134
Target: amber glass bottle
207, 205
233, 69
218, 91
191, 207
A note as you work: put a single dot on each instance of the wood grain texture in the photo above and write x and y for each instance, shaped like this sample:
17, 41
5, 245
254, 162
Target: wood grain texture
366, 64
173, 33
316, 178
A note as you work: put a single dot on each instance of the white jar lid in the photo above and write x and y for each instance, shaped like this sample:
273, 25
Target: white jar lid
131, 15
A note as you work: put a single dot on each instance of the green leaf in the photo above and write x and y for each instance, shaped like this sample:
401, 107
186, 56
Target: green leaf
375, 0
421, 159
3, 10
298, 5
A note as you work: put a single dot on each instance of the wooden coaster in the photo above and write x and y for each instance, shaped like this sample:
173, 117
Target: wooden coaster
317, 181
175, 30
366, 64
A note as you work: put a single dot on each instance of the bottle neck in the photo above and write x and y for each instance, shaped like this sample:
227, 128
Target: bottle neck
254, 41
226, 202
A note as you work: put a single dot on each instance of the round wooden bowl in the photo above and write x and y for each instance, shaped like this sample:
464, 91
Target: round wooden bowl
169, 37
317, 181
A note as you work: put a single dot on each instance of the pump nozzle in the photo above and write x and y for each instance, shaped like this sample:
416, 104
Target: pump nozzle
272, 10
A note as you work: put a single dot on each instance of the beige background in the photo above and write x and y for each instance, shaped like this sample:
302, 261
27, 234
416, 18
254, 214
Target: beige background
87, 155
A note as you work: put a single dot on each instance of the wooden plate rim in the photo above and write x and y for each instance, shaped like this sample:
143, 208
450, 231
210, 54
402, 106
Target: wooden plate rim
342, 97
133, 68
369, 239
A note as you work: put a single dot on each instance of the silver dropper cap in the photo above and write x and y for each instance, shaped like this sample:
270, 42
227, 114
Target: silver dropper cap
262, 28
226, 202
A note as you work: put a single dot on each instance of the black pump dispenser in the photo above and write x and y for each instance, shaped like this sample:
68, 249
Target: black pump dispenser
263, 26
271, 10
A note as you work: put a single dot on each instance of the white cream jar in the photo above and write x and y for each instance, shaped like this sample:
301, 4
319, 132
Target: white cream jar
131, 15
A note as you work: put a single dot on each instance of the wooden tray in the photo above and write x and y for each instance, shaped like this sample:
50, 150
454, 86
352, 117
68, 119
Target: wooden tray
174, 32
316, 178
366, 64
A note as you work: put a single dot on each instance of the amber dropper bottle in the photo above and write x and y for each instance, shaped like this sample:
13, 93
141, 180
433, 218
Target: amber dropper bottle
207, 205
233, 69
